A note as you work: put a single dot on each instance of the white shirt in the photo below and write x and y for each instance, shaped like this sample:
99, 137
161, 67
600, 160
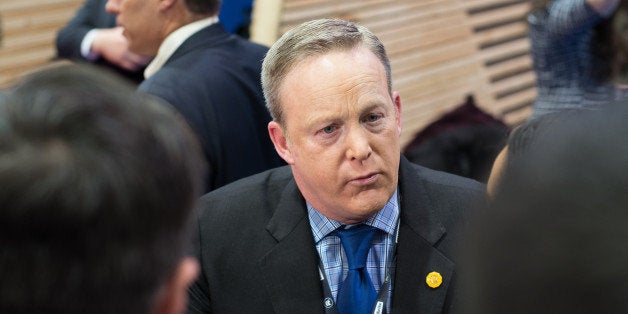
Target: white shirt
86, 46
173, 41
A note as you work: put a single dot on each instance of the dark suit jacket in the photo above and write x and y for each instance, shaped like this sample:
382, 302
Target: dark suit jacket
257, 251
213, 80
90, 16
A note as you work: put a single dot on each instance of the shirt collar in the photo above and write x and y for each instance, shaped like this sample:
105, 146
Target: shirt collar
173, 41
385, 219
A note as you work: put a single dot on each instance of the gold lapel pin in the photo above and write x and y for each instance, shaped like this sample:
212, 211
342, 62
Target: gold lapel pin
434, 280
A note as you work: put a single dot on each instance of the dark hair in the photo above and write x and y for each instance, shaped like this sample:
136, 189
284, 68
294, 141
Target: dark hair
206, 7
97, 186
524, 136
554, 239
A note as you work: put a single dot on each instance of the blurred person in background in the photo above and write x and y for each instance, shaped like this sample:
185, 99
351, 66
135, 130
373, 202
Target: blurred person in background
210, 76
576, 53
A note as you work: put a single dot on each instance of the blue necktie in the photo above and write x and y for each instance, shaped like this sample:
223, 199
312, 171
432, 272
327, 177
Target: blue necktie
356, 294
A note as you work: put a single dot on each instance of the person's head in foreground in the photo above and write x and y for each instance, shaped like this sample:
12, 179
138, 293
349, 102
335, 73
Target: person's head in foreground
555, 238
97, 186
336, 120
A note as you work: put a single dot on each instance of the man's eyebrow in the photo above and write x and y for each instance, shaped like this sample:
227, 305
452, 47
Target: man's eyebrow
321, 119
372, 105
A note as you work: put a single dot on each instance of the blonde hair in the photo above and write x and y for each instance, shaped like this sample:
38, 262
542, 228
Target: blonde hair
309, 39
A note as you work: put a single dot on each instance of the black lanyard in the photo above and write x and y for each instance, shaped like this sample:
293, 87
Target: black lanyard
382, 296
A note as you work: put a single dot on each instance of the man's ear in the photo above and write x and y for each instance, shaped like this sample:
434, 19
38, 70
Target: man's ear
397, 103
278, 136
173, 296
167, 4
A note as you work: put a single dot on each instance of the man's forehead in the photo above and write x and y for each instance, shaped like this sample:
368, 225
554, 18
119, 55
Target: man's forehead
333, 64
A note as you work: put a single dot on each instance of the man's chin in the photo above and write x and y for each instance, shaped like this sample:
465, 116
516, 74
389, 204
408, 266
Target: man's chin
368, 206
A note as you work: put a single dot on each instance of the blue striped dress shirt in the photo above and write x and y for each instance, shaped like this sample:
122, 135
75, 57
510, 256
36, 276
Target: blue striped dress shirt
332, 254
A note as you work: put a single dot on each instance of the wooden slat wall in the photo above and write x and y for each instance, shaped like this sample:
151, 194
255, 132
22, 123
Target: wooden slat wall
28, 33
500, 33
440, 50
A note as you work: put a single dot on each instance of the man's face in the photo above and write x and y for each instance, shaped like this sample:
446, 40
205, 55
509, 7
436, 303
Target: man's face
341, 133
141, 22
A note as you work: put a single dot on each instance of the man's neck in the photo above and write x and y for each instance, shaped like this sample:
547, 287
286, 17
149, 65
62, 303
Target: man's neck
179, 16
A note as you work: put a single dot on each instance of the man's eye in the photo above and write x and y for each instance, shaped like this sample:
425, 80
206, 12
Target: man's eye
329, 129
373, 117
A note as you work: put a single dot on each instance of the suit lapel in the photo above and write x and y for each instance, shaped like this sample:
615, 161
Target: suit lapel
290, 267
420, 229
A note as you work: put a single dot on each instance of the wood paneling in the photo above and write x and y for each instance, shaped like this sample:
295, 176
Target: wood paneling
29, 29
440, 50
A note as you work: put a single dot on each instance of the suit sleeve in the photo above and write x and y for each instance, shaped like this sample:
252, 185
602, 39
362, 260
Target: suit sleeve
91, 15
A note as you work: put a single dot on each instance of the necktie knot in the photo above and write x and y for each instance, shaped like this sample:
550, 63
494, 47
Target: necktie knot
356, 242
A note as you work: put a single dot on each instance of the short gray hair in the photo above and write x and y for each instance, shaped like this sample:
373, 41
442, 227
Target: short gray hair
310, 39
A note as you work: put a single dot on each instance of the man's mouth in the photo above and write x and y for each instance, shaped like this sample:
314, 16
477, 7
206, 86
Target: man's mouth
365, 179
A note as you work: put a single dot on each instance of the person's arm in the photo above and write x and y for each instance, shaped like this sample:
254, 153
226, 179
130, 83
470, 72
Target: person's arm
604, 7
111, 44
88, 17
92, 34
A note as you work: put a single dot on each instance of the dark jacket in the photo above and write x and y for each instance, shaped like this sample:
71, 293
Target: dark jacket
213, 80
257, 251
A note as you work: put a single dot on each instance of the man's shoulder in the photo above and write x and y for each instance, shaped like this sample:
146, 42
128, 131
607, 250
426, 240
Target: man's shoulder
179, 84
246, 204
446, 180
206, 66
163, 85
164, 78
449, 200
450, 197
260, 190
213, 45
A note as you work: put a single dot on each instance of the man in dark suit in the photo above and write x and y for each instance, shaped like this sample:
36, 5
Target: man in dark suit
209, 75
275, 242
92, 36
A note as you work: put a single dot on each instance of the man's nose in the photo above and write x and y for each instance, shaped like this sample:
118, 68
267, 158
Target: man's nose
112, 6
358, 146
